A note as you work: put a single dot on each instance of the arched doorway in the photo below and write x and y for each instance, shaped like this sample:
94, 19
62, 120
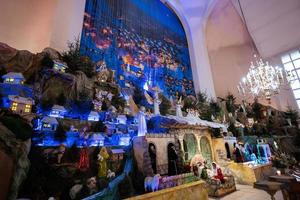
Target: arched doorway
206, 149
191, 145
228, 155
172, 160
152, 154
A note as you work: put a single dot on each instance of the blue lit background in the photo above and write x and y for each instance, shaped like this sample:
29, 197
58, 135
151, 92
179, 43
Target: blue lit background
142, 40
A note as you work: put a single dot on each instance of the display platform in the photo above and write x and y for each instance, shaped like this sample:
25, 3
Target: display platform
192, 191
245, 174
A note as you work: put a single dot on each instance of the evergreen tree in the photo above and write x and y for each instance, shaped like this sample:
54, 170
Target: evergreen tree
165, 105
230, 103
77, 62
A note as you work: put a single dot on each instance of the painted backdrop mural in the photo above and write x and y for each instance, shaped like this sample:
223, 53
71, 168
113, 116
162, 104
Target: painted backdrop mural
142, 41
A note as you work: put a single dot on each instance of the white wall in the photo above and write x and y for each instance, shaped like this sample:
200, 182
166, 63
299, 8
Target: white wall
273, 24
67, 23
26, 24
36, 24
193, 14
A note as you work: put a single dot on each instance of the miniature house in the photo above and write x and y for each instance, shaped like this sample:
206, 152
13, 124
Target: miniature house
13, 78
59, 66
97, 140
49, 124
57, 111
124, 140
93, 116
121, 119
20, 104
229, 143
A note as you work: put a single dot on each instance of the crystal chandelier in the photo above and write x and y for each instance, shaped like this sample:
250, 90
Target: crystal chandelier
263, 80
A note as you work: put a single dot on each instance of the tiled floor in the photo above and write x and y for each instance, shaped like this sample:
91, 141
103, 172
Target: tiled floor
245, 192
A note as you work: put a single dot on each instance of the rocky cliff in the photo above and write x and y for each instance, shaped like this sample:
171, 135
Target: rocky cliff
46, 83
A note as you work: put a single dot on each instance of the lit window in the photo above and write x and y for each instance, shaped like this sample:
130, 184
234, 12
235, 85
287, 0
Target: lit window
291, 63
27, 106
15, 104
286, 58
295, 55
27, 110
47, 125
14, 108
288, 66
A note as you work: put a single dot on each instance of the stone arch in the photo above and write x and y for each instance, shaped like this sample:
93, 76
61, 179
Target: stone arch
172, 159
191, 145
206, 150
152, 153
228, 154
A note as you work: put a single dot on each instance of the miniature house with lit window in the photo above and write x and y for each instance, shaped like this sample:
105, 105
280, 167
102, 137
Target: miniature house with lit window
49, 124
13, 78
93, 116
57, 111
97, 140
121, 119
20, 104
59, 66
124, 140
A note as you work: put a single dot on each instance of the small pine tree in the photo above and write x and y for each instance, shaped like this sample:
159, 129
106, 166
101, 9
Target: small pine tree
215, 108
256, 108
76, 62
118, 102
165, 105
230, 103
189, 103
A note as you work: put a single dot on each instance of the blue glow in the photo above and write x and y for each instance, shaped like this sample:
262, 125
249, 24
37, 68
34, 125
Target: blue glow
142, 41
146, 86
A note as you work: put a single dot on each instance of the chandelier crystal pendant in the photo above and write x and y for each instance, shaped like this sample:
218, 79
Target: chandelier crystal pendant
263, 80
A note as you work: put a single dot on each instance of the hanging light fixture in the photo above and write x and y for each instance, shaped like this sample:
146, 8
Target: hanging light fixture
262, 80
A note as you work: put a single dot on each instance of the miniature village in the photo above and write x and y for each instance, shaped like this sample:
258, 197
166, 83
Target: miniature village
80, 135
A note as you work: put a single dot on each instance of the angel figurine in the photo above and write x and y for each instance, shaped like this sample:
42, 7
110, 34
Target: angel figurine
178, 107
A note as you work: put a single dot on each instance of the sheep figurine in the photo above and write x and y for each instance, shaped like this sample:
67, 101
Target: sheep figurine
110, 174
152, 183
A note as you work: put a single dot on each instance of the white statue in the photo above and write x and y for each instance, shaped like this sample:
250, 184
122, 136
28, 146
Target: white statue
142, 125
178, 108
156, 104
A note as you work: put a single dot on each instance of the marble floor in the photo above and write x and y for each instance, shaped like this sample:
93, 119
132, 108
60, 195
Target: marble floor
245, 192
